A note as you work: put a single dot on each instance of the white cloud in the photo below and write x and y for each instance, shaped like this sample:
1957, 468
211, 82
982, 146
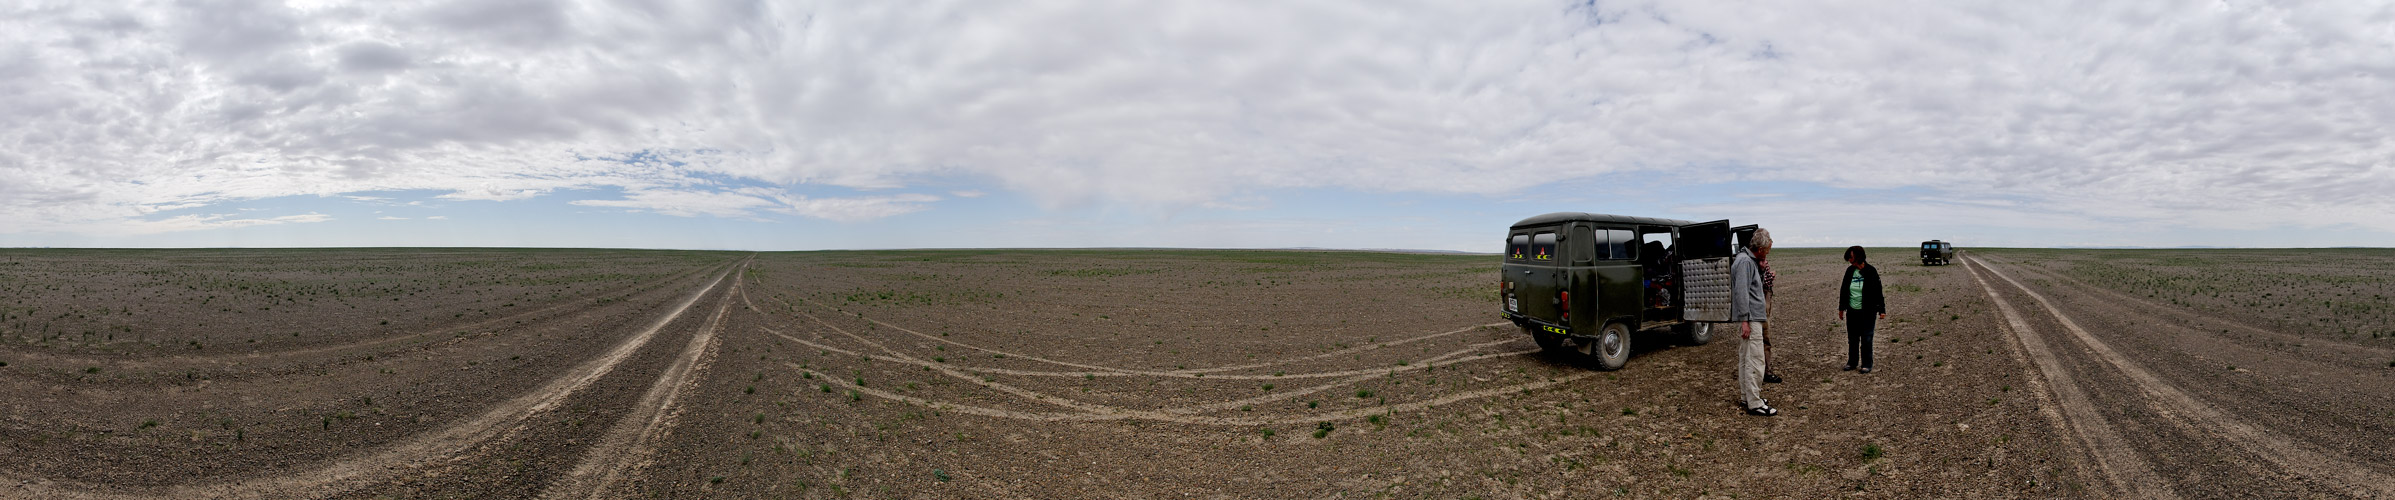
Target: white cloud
437, 217
387, 217
197, 222
747, 202
2244, 114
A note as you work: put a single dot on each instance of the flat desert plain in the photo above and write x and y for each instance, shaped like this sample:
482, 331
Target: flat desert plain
480, 373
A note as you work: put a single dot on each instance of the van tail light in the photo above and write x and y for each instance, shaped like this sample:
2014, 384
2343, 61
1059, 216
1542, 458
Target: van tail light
1565, 299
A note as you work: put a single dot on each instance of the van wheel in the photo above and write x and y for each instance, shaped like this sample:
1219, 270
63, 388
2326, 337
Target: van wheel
1546, 341
1610, 349
1694, 333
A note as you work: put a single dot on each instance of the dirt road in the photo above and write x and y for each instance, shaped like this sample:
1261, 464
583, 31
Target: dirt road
2218, 411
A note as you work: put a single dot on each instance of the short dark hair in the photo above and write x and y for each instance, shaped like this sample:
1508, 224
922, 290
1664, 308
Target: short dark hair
1855, 254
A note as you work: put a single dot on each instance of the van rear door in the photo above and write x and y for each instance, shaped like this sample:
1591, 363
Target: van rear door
1706, 250
1535, 282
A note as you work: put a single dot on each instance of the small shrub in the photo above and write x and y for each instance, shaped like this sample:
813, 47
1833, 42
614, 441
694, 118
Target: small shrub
1322, 430
1628, 411
1872, 451
1314, 403
940, 475
1268, 433
1364, 393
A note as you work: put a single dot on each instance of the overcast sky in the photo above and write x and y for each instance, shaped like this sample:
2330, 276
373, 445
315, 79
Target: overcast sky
800, 125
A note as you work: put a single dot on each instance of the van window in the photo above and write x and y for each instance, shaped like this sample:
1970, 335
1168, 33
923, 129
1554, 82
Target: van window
1620, 241
1586, 237
1658, 244
1518, 247
1542, 247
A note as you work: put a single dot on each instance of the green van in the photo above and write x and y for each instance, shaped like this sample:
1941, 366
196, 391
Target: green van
1582, 283
1936, 253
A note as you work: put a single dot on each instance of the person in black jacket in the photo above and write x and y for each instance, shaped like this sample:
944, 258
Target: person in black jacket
1859, 292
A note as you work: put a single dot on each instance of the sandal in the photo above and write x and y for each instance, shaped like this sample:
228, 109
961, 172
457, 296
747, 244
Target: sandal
1762, 411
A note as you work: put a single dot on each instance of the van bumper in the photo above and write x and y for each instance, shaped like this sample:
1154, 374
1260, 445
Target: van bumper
1530, 324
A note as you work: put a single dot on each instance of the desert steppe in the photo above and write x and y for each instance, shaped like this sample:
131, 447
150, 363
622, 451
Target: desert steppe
1141, 373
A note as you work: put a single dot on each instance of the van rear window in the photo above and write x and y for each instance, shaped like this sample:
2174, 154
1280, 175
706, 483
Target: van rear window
1518, 247
1542, 247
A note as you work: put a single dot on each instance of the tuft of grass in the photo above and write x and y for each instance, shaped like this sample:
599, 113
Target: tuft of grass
853, 396
1268, 432
750, 390
715, 480
1269, 386
1872, 451
940, 475
1314, 404
1628, 411
94, 369
824, 387
1322, 430
1364, 393
145, 424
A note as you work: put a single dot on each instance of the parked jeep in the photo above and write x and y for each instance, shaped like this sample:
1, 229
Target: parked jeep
1582, 282
1936, 253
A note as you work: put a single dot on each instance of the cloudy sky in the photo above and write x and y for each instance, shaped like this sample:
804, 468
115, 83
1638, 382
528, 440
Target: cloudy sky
802, 125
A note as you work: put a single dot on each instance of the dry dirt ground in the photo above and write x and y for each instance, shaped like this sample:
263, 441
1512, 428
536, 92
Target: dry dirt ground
1159, 374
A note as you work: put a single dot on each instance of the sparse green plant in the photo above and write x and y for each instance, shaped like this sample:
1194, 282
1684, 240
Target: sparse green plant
1872, 451
1323, 429
1363, 393
1314, 403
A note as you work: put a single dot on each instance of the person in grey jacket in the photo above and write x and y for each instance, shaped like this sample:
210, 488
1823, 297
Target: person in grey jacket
1747, 310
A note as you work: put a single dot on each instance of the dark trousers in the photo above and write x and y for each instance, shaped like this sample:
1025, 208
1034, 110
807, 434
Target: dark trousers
1859, 326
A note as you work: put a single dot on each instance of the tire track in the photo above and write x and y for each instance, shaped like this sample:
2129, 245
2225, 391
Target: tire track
183, 361
1186, 419
631, 441
1089, 411
2117, 462
2350, 477
1112, 371
444, 445
1096, 371
2364, 351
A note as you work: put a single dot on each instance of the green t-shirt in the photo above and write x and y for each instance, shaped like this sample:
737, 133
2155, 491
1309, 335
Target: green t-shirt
1854, 290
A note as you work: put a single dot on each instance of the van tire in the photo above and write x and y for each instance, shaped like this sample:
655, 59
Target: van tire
1609, 350
1546, 341
1695, 333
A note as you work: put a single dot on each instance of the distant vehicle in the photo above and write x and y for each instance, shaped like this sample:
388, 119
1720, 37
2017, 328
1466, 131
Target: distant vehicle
1936, 253
1582, 282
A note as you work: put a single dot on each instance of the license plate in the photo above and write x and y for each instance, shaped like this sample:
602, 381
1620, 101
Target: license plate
1512, 305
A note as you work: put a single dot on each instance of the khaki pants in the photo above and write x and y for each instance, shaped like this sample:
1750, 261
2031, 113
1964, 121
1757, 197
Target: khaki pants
1750, 364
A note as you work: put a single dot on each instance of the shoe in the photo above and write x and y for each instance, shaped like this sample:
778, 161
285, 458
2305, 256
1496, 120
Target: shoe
1762, 411
1848, 368
1771, 378
1866, 370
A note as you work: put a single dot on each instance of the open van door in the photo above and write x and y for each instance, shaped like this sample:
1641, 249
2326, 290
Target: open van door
1706, 249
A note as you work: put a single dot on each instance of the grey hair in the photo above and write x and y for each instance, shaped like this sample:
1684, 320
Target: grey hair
1762, 239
